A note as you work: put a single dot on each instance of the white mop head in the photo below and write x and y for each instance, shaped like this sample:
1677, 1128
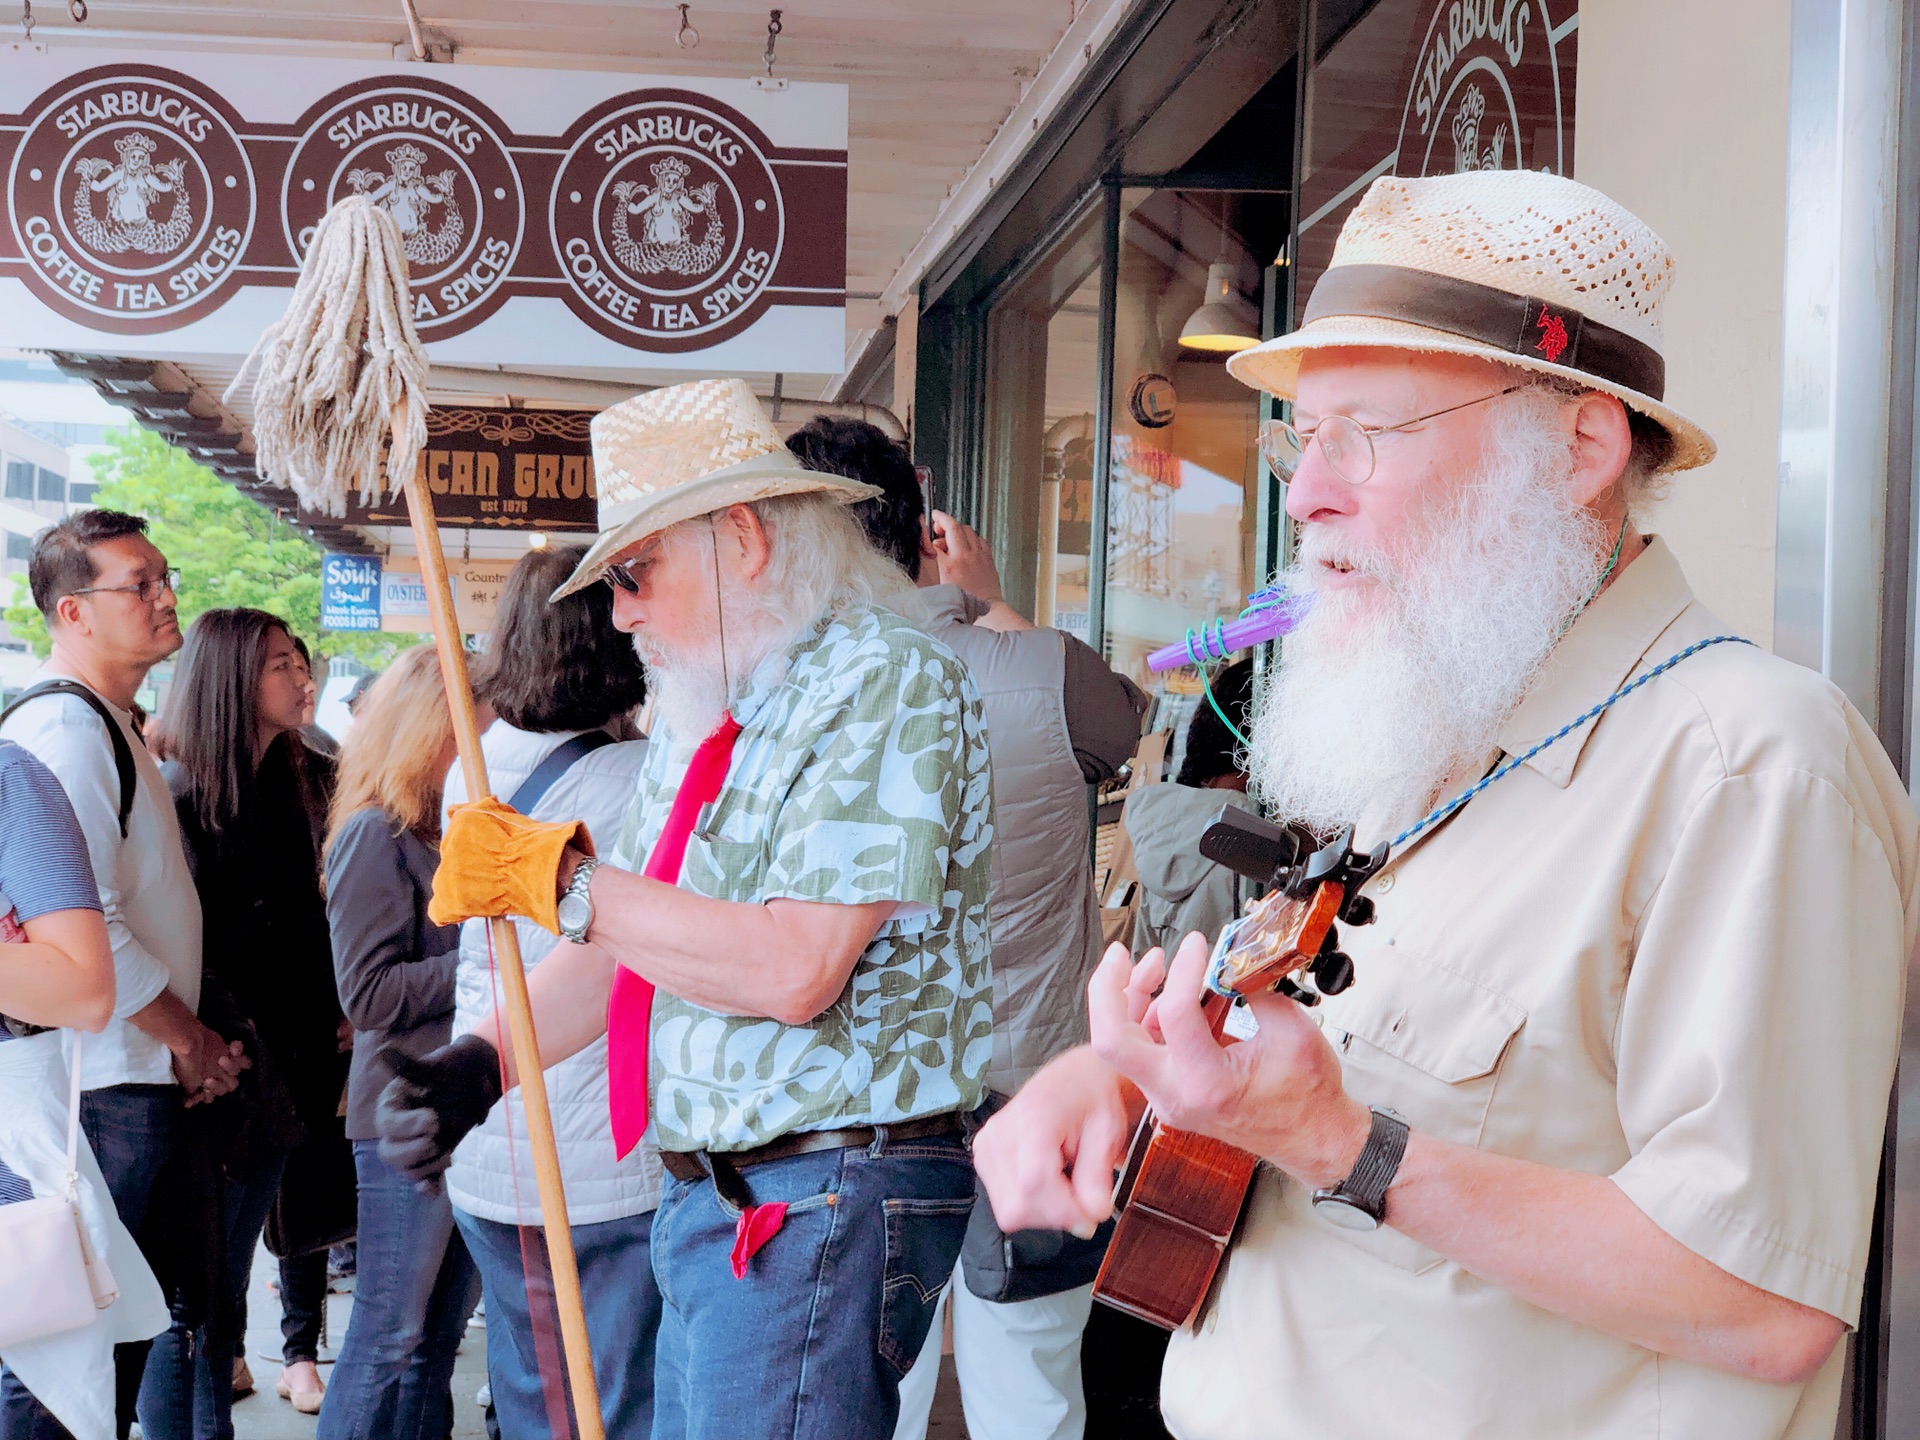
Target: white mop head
333, 374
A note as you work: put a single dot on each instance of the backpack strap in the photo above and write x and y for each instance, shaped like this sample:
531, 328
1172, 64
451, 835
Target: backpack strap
122, 751
559, 760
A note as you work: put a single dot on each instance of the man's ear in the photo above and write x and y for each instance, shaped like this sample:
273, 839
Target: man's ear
69, 613
742, 528
1602, 445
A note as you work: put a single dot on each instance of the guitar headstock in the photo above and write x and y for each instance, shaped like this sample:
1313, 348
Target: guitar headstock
1293, 928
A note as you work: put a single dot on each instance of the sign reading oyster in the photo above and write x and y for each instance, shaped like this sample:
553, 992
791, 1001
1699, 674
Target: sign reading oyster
434, 160
667, 220
133, 197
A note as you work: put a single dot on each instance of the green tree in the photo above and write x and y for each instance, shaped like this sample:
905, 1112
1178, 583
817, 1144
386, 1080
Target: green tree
229, 551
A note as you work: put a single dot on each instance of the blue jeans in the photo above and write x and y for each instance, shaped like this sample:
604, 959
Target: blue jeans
623, 1318
813, 1343
411, 1299
189, 1395
131, 1130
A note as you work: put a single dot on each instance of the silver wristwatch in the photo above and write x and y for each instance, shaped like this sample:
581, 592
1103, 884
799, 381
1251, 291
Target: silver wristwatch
575, 912
1359, 1202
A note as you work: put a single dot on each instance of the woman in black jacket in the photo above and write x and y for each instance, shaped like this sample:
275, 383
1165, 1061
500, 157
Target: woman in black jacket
414, 1285
252, 797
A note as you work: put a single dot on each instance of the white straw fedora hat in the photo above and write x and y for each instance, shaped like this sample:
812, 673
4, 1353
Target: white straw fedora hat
1518, 266
688, 450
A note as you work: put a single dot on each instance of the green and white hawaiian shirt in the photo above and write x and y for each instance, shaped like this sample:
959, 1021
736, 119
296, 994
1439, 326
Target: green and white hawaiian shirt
860, 774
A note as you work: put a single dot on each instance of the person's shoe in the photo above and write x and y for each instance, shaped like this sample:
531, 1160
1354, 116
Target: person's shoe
300, 1386
242, 1378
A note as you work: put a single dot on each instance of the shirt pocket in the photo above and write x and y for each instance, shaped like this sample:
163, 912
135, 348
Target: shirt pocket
1428, 1043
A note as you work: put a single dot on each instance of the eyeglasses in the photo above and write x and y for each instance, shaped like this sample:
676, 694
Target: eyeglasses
620, 575
147, 590
1345, 444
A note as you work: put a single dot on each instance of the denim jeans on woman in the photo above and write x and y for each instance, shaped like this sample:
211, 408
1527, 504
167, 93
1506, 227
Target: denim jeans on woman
623, 1317
412, 1294
833, 1310
187, 1392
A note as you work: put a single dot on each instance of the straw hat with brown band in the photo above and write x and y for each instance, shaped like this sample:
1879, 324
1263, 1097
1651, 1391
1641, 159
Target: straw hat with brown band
684, 451
1517, 266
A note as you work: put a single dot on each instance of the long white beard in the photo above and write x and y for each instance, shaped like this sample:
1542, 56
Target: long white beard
689, 691
1374, 709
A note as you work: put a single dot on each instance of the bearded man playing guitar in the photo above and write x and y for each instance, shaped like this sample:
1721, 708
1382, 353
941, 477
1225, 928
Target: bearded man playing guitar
1589, 1146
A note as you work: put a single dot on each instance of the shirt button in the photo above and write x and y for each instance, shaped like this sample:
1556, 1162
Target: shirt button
1383, 884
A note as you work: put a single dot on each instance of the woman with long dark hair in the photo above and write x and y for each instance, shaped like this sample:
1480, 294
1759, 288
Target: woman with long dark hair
414, 1286
252, 797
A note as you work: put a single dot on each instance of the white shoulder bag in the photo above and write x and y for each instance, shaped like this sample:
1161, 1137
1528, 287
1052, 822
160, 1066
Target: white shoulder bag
50, 1279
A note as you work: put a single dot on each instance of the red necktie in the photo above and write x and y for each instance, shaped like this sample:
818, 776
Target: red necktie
630, 1006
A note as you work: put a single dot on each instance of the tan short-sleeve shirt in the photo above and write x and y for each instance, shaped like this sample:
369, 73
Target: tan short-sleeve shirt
1671, 950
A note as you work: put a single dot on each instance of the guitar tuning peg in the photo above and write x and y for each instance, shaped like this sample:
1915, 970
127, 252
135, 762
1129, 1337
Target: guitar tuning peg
1358, 910
1333, 972
1296, 994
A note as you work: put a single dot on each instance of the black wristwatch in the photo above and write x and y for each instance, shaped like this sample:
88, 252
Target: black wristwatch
1359, 1202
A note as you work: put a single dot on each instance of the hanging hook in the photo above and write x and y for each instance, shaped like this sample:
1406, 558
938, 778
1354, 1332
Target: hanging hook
26, 18
686, 37
773, 35
78, 10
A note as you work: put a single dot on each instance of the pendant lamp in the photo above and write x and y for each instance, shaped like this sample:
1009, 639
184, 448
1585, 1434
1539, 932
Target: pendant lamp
1223, 323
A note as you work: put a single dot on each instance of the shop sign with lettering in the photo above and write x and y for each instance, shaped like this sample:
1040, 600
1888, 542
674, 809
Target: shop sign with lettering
501, 470
476, 586
549, 217
350, 592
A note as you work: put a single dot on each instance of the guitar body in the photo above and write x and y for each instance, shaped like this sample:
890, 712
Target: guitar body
1180, 1194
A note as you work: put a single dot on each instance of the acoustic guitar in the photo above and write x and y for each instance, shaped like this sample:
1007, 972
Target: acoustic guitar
1180, 1195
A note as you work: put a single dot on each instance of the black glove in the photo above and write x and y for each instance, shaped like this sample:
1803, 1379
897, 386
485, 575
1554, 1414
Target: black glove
431, 1104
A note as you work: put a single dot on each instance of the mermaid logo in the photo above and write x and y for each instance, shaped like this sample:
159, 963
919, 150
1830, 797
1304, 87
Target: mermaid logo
436, 161
131, 198
411, 196
1485, 91
667, 211
668, 220
134, 188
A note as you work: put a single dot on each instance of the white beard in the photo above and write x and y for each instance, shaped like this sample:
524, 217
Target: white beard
1373, 709
688, 691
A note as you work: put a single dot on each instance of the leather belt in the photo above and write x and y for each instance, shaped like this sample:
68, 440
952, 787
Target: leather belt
698, 1164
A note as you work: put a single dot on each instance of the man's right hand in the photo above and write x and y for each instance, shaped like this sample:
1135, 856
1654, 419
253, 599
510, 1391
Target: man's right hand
1049, 1157
431, 1104
207, 1065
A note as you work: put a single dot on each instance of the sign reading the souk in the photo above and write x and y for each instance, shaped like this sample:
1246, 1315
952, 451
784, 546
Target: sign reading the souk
549, 216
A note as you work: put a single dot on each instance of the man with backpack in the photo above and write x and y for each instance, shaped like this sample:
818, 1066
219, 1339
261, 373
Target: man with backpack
108, 598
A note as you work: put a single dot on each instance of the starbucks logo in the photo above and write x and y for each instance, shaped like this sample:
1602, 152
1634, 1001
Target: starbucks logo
432, 159
667, 220
1485, 91
132, 197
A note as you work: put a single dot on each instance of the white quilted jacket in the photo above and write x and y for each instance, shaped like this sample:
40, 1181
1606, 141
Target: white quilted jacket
598, 790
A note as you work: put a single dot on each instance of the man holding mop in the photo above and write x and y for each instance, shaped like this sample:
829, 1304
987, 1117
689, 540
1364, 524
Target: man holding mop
803, 874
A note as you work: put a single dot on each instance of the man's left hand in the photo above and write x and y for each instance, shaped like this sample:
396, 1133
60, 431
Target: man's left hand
494, 861
1278, 1095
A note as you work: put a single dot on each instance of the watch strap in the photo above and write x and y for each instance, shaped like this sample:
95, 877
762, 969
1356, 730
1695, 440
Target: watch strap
1366, 1184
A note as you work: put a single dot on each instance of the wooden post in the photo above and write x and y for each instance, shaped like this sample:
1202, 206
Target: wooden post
506, 950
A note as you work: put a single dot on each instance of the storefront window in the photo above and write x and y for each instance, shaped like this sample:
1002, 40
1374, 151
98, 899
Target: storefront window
1182, 546
1042, 365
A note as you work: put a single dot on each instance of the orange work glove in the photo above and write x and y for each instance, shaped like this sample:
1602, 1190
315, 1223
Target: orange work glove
495, 861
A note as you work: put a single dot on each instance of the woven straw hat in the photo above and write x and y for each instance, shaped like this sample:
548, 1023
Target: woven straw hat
688, 450
1518, 266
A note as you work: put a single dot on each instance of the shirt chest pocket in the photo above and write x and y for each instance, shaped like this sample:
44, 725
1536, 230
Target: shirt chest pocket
715, 865
1425, 1041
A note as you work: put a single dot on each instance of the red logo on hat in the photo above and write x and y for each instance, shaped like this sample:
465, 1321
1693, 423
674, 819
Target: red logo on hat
1553, 336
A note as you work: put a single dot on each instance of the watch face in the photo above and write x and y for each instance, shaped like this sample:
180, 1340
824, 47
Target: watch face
1343, 1213
575, 912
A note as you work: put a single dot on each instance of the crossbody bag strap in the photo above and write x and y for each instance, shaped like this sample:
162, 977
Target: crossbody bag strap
73, 1114
558, 761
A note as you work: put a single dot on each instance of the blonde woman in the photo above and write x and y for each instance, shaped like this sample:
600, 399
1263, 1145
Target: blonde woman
395, 971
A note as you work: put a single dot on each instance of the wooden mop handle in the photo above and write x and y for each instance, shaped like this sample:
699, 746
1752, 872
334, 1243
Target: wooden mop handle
506, 948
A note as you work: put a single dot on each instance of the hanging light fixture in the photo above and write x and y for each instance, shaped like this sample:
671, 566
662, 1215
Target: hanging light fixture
1223, 323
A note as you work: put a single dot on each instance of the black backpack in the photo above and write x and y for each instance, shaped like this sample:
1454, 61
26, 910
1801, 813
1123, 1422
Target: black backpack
122, 751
